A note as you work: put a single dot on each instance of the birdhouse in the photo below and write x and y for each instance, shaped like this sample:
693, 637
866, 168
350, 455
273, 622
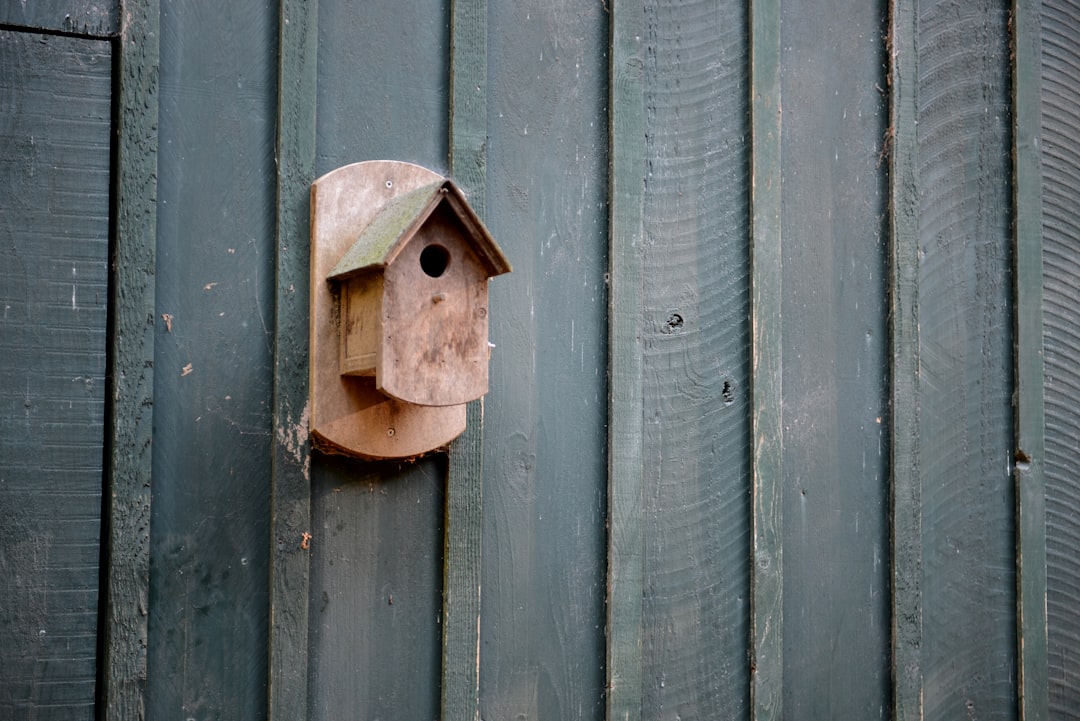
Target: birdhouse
413, 295
400, 265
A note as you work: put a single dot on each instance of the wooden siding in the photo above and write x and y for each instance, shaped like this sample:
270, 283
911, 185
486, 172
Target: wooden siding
54, 253
765, 435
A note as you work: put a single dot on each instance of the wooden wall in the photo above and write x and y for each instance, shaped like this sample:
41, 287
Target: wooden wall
791, 323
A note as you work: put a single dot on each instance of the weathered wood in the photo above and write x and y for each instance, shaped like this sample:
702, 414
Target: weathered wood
545, 416
766, 358
214, 363
626, 543
349, 414
1029, 409
696, 369
124, 658
835, 361
381, 95
462, 550
966, 443
1060, 170
54, 295
82, 17
290, 474
376, 553
904, 391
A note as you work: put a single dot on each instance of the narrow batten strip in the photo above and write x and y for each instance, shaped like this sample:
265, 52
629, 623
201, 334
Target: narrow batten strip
626, 395
905, 472
1032, 681
290, 504
767, 618
460, 699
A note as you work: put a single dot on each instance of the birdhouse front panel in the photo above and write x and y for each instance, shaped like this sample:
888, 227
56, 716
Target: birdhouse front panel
434, 315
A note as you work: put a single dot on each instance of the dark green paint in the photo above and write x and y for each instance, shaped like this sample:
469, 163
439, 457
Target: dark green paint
834, 402
82, 17
381, 94
1059, 111
54, 252
904, 379
696, 369
375, 577
463, 553
290, 463
131, 362
626, 262
1030, 415
966, 443
766, 638
545, 466
213, 382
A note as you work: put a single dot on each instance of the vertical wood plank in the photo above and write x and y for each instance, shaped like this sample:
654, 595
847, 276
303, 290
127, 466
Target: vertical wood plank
126, 543
460, 696
1060, 169
904, 367
766, 581
625, 397
1032, 680
57, 121
131, 365
966, 339
290, 524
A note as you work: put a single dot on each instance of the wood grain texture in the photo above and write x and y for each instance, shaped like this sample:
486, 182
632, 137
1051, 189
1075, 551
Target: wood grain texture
1060, 120
696, 375
462, 549
291, 461
82, 17
545, 466
1028, 398
766, 353
131, 364
55, 105
382, 94
375, 578
626, 544
966, 367
213, 386
905, 471
835, 392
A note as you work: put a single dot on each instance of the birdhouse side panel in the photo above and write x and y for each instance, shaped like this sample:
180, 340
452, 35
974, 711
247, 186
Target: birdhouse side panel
435, 327
360, 323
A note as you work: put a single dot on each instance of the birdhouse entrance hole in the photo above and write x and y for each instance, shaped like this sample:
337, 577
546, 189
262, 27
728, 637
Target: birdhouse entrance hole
434, 260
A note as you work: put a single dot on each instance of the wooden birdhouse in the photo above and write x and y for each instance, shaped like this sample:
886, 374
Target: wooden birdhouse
399, 323
413, 295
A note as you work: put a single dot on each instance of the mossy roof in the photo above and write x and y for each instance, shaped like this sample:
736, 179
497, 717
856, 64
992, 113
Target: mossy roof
402, 217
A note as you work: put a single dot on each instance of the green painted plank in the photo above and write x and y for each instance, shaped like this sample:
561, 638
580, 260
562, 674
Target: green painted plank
1032, 681
214, 363
462, 553
625, 585
835, 303
54, 294
905, 471
131, 364
378, 528
766, 278
81, 17
696, 368
290, 524
966, 329
1060, 168
545, 417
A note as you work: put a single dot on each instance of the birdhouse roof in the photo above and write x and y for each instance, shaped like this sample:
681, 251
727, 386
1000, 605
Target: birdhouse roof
396, 224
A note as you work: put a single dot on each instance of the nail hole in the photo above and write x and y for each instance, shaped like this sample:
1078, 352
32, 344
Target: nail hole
674, 323
728, 393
